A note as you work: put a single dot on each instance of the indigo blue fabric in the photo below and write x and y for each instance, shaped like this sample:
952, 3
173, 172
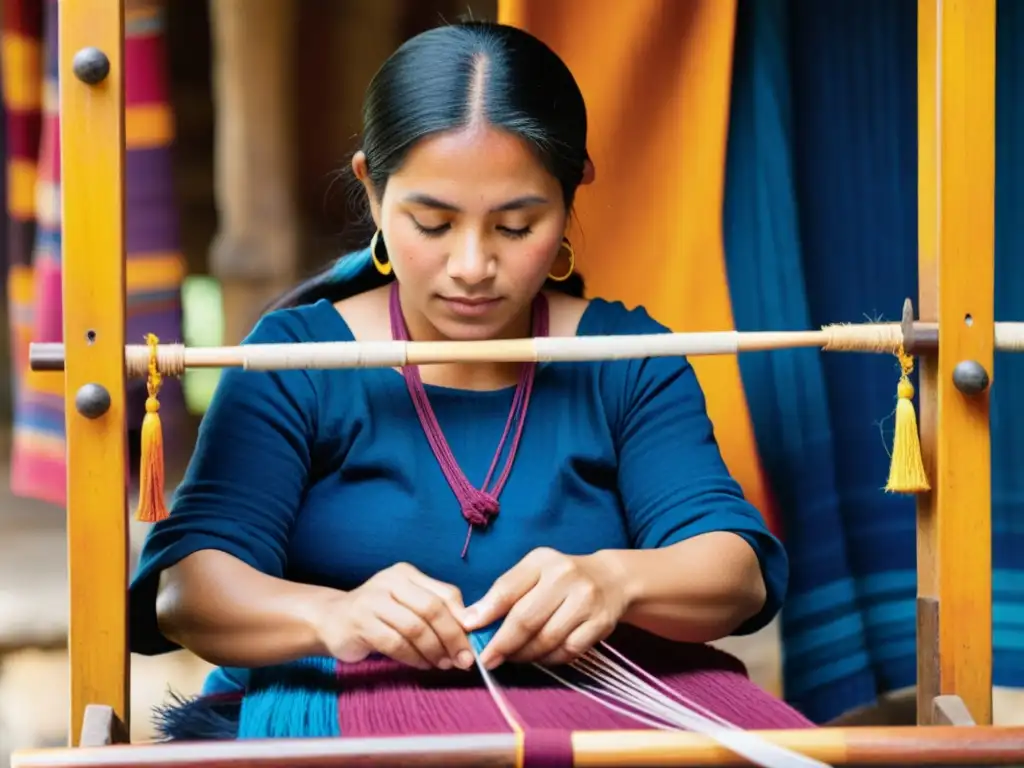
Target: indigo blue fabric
826, 664
821, 227
1008, 377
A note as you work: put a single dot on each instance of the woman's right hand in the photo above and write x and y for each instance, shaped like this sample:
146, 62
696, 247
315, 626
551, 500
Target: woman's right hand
403, 614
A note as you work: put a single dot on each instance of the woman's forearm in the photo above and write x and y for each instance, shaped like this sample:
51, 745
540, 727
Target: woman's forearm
698, 590
230, 614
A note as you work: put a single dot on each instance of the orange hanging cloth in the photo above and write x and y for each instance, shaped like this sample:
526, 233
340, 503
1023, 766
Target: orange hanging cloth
650, 229
152, 507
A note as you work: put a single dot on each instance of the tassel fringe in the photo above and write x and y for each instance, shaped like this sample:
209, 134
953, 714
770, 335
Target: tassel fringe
906, 470
152, 504
202, 718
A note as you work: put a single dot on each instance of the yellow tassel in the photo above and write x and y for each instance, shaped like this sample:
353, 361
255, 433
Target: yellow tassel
152, 507
906, 471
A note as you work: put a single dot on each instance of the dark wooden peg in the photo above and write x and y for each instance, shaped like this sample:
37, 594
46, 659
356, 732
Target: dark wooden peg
92, 401
970, 377
91, 66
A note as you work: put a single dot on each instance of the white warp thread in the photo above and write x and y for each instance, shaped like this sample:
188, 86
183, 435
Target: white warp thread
629, 690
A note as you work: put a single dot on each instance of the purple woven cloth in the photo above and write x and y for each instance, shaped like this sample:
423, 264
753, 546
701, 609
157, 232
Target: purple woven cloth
384, 698
379, 698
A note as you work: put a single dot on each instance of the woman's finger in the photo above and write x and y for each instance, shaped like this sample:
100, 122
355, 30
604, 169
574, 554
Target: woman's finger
436, 612
579, 641
508, 590
569, 615
447, 592
387, 640
526, 618
415, 630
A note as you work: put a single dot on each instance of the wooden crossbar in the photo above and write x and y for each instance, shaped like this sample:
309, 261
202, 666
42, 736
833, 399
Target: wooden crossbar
934, 746
879, 338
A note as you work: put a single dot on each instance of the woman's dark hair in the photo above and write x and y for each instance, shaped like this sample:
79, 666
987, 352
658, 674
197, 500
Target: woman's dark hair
445, 79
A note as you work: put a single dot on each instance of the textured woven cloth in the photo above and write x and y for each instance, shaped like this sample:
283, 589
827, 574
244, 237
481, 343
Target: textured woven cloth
154, 265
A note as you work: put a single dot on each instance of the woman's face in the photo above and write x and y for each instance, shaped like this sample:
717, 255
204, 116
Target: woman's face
473, 225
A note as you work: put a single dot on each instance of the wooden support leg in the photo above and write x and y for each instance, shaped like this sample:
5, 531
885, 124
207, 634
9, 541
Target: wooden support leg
92, 194
956, 188
255, 255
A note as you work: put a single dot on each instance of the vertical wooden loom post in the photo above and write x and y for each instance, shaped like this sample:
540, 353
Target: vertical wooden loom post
956, 178
92, 193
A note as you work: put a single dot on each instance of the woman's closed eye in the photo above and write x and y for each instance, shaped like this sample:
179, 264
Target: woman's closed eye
441, 229
515, 234
437, 231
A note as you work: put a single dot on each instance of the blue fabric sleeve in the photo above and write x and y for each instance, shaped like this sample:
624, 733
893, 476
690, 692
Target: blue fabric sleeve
672, 478
245, 480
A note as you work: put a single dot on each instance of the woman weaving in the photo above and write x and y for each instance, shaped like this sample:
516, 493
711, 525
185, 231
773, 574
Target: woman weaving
340, 533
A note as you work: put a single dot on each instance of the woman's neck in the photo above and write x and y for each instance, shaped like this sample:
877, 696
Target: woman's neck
474, 376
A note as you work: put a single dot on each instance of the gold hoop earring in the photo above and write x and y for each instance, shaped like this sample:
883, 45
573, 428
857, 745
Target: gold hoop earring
383, 265
566, 245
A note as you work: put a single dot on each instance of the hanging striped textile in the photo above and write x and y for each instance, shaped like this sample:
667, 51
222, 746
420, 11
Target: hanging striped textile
828, 669
821, 227
33, 283
1007, 416
155, 268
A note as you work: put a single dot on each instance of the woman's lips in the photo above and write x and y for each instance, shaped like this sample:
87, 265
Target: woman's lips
469, 307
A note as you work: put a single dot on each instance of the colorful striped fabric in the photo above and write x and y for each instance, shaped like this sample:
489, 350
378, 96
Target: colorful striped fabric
156, 268
33, 178
154, 265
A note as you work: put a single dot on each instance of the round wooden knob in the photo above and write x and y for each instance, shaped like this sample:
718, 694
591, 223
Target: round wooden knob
91, 66
92, 401
970, 377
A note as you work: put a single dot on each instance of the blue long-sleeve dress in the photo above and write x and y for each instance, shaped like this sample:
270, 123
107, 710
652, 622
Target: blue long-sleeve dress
326, 477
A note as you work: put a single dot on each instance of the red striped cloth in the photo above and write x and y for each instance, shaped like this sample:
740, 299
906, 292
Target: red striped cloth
155, 267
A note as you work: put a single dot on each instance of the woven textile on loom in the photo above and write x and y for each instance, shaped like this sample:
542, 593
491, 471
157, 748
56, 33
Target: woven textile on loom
321, 697
154, 268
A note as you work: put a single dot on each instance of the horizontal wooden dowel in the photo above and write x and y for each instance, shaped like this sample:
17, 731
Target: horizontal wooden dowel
172, 359
483, 751
936, 745
952, 746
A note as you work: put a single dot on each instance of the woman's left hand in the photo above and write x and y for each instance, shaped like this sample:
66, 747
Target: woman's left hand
555, 608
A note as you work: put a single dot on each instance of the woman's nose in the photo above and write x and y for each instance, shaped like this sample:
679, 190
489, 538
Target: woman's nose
469, 263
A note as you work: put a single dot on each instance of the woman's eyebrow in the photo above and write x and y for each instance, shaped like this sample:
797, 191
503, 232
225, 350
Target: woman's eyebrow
526, 201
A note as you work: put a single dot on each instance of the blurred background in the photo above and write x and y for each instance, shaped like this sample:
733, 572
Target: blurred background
756, 169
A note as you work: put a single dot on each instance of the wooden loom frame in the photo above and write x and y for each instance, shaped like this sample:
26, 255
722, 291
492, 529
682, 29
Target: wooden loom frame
956, 95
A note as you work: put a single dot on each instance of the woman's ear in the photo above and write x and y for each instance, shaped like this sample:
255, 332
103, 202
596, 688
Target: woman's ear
359, 167
589, 172
361, 171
